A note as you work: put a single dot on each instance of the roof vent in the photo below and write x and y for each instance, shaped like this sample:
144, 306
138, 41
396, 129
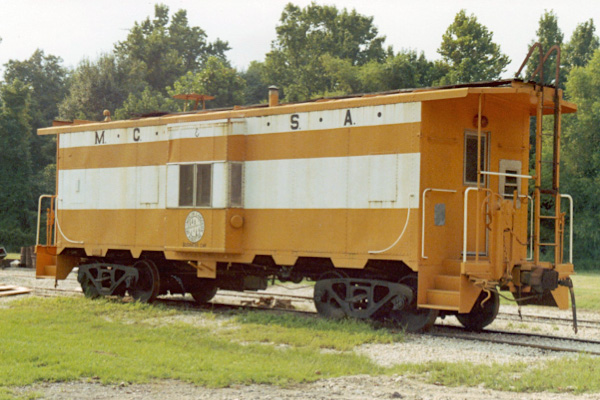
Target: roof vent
273, 96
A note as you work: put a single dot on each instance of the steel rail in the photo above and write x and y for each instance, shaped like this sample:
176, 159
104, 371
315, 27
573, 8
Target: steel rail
482, 337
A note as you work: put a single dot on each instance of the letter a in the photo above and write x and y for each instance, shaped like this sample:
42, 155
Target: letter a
348, 119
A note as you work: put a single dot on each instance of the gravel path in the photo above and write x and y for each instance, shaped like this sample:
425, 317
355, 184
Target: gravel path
417, 348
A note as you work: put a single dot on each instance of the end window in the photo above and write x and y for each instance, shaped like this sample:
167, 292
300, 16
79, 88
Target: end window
470, 158
508, 184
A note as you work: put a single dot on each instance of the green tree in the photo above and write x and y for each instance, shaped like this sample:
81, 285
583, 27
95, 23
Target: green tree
147, 102
16, 198
166, 50
580, 49
217, 79
100, 85
548, 35
47, 78
407, 69
470, 53
580, 161
256, 83
305, 35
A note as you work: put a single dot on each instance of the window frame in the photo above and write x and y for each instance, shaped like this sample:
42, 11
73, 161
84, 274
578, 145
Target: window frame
230, 187
469, 134
194, 188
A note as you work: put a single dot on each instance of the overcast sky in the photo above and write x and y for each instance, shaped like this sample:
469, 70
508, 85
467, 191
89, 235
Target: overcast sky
78, 29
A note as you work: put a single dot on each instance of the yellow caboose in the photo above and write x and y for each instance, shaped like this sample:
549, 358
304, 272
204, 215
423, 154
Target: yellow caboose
401, 205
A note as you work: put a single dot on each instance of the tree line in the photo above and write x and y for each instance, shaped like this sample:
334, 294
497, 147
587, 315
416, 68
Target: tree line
319, 51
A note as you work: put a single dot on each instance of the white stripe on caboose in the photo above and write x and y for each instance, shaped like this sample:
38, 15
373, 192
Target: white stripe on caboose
360, 182
387, 114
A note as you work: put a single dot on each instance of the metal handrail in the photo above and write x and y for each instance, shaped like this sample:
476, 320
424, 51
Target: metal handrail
60, 229
506, 174
465, 218
423, 218
37, 234
568, 196
401, 233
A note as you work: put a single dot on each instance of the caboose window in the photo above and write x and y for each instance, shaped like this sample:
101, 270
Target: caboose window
236, 182
195, 182
470, 158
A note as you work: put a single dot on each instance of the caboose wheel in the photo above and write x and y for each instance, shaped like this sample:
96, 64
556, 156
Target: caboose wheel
88, 288
411, 318
204, 291
481, 315
325, 298
147, 286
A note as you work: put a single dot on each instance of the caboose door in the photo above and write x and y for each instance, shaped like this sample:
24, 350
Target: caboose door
476, 204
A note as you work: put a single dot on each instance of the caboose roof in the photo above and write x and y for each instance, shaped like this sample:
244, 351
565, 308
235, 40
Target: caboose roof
516, 92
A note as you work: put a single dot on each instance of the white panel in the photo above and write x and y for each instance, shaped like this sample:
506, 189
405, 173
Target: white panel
148, 184
113, 136
219, 185
197, 129
268, 184
331, 119
70, 187
383, 178
109, 188
314, 120
409, 178
320, 183
172, 185
337, 182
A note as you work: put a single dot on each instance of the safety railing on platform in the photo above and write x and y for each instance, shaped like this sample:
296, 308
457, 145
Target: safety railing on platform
50, 231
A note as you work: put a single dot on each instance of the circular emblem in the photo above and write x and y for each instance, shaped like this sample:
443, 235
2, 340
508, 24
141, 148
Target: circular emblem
194, 226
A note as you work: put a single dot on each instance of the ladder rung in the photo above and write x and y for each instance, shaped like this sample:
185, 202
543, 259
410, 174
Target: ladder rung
547, 244
548, 217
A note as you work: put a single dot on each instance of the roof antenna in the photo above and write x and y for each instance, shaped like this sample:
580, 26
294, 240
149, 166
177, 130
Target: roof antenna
194, 96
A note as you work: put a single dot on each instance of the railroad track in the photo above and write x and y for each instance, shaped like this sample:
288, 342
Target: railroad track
531, 340
272, 302
548, 319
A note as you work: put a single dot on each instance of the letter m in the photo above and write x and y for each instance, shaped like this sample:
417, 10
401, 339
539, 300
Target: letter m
99, 138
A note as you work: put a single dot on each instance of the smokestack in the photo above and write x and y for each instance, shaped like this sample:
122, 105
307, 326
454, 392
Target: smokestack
273, 96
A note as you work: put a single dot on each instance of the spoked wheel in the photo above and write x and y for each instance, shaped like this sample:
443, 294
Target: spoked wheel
411, 318
483, 313
204, 291
325, 297
147, 286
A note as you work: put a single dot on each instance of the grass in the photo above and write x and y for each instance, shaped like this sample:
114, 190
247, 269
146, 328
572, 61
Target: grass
75, 339
66, 339
309, 332
13, 256
587, 285
577, 375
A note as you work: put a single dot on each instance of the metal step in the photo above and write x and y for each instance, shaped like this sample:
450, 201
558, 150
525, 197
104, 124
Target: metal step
443, 299
447, 282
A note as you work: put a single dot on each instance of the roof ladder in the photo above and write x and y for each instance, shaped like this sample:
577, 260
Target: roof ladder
547, 172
